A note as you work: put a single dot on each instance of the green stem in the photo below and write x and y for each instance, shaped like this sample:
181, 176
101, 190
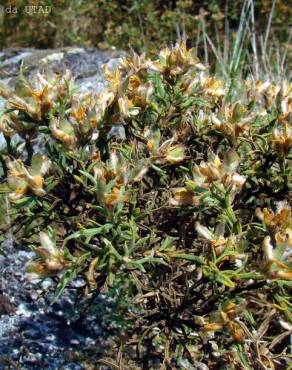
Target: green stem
232, 217
8, 145
29, 150
3, 165
283, 171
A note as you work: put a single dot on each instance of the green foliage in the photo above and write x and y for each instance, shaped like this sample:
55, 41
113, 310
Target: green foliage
142, 25
168, 190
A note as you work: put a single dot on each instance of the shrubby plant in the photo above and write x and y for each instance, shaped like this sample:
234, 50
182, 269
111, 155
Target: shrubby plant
170, 184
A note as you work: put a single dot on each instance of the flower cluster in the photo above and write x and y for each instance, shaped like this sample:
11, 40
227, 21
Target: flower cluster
22, 180
50, 260
278, 254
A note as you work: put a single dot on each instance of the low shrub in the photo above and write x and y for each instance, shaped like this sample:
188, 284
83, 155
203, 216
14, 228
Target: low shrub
171, 186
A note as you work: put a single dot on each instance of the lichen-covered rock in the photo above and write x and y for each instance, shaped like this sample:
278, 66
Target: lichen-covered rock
35, 334
83, 63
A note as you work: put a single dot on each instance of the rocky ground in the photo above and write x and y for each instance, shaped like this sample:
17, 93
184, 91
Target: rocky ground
34, 333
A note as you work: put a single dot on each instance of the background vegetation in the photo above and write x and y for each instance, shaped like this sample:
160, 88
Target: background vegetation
259, 29
144, 25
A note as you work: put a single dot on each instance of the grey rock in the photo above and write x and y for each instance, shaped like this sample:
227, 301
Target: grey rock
84, 63
39, 334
